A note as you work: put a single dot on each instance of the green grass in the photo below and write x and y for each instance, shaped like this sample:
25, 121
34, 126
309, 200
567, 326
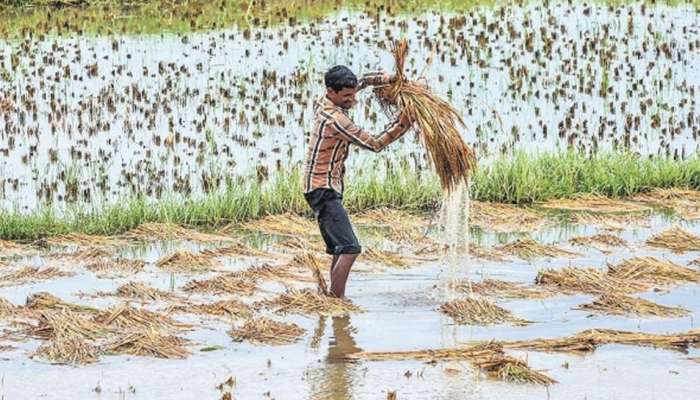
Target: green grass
518, 179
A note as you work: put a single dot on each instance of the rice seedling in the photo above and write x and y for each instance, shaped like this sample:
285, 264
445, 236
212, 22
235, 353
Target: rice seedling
83, 240
228, 283
168, 231
503, 289
652, 271
263, 330
676, 239
28, 274
47, 301
229, 308
187, 261
149, 343
586, 280
126, 317
595, 203
308, 301
618, 304
529, 249
115, 268
478, 311
504, 217
602, 241
611, 222
436, 120
71, 350
288, 224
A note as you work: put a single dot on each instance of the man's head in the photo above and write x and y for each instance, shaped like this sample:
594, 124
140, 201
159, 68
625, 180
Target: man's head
341, 86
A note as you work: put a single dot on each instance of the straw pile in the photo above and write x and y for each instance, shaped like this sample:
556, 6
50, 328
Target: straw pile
7, 309
126, 317
300, 243
83, 240
307, 301
115, 268
676, 239
601, 242
228, 283
653, 271
611, 222
229, 308
529, 249
474, 311
166, 231
32, 274
73, 351
142, 291
63, 323
504, 217
151, 343
502, 289
488, 357
436, 121
236, 249
595, 203
586, 280
47, 301
588, 340
186, 261
267, 331
287, 224
617, 304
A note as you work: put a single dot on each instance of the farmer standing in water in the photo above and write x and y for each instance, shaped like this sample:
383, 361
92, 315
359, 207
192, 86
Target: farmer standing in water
324, 168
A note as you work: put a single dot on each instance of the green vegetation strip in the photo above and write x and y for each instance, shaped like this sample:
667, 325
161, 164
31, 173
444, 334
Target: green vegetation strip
518, 179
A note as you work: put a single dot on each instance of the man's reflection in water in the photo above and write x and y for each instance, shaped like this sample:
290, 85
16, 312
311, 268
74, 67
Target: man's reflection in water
334, 379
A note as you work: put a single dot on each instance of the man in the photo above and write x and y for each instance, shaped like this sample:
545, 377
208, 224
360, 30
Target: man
333, 133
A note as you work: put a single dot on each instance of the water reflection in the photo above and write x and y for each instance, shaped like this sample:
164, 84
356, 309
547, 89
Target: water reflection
334, 378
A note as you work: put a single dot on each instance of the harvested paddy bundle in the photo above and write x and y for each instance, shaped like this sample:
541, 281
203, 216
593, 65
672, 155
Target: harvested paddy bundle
167, 231
150, 343
436, 120
228, 283
601, 242
229, 308
287, 224
595, 203
31, 274
187, 261
619, 304
611, 222
476, 311
142, 291
503, 289
504, 217
109, 268
47, 301
529, 249
83, 240
124, 316
653, 271
586, 280
307, 301
263, 330
66, 324
676, 239
73, 351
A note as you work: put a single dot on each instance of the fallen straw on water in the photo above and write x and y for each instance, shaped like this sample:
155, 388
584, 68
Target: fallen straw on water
675, 239
263, 330
73, 351
528, 249
475, 311
618, 304
586, 280
652, 271
307, 301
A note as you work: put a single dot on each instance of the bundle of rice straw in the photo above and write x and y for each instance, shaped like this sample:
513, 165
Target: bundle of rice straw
436, 120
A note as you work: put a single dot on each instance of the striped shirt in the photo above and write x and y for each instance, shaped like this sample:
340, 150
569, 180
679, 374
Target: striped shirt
333, 132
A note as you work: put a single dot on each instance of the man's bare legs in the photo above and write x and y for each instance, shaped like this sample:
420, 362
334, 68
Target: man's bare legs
340, 270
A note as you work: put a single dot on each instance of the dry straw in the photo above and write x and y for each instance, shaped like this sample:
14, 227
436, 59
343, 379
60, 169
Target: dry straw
612, 222
529, 249
166, 231
309, 301
228, 308
675, 239
116, 268
83, 240
288, 224
228, 283
187, 261
595, 203
142, 291
618, 304
602, 241
73, 350
503, 289
475, 311
151, 343
263, 330
47, 301
504, 217
653, 271
31, 274
436, 120
586, 280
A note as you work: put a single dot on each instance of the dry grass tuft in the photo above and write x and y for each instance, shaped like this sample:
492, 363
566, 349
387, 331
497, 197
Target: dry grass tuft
602, 242
675, 239
187, 261
47, 301
229, 308
73, 351
586, 280
83, 240
595, 203
617, 304
437, 123
267, 331
150, 343
474, 311
653, 271
529, 249
309, 301
166, 231
115, 268
288, 224
503, 289
612, 222
228, 283
504, 217
32, 274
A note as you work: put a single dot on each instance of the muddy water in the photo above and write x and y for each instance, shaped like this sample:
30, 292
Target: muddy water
100, 117
400, 315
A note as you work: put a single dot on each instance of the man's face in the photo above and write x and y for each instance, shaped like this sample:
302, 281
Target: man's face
344, 98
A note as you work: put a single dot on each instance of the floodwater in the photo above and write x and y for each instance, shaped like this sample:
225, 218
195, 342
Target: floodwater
97, 118
400, 314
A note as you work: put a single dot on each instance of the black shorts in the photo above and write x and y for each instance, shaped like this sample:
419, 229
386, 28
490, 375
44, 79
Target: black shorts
334, 222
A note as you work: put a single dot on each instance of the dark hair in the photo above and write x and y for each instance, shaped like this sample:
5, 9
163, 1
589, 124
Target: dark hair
340, 77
